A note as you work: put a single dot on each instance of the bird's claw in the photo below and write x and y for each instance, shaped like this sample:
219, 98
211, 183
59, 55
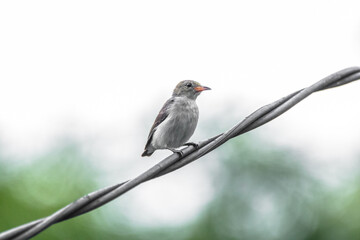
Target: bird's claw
195, 145
181, 154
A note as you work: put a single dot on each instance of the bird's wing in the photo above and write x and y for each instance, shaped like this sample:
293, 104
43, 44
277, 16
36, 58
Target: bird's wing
163, 114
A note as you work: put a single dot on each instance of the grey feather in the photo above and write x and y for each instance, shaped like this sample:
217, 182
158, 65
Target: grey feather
163, 114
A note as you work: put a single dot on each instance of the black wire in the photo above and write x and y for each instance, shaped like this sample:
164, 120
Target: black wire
173, 162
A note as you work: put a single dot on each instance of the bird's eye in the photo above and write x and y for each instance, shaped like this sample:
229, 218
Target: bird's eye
189, 85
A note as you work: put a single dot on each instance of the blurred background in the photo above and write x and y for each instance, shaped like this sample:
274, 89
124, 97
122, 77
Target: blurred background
82, 82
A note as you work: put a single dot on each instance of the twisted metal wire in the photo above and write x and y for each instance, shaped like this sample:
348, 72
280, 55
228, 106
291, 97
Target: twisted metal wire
173, 162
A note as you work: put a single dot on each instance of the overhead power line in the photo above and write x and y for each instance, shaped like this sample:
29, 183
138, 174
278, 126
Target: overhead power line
173, 162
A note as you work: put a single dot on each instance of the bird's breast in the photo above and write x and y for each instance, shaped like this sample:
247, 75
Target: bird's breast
186, 112
179, 126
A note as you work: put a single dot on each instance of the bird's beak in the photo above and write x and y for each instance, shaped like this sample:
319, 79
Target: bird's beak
201, 88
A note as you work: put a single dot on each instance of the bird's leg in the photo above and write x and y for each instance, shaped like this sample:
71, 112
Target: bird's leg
195, 145
176, 151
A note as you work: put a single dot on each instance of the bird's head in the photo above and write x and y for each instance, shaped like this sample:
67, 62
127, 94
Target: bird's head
189, 88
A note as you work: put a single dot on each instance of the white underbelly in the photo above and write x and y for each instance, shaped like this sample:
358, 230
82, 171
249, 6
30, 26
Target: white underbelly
174, 131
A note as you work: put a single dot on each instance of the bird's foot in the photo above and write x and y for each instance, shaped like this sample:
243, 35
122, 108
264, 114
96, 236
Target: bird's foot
176, 151
195, 145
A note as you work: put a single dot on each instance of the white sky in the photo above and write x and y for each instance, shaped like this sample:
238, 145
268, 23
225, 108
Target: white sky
100, 70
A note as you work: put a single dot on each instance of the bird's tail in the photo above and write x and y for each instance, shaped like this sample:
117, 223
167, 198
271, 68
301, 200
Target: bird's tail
147, 153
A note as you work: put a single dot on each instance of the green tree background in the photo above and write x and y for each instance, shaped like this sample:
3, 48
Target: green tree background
262, 192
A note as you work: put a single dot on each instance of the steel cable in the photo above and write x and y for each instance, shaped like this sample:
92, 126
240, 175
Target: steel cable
173, 162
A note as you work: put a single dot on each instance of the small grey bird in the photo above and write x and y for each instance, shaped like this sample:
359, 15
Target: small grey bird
177, 119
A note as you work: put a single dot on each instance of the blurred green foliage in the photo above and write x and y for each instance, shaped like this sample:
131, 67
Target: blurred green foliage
262, 192
45, 185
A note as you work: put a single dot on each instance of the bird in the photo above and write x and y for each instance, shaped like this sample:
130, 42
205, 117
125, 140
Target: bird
177, 119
